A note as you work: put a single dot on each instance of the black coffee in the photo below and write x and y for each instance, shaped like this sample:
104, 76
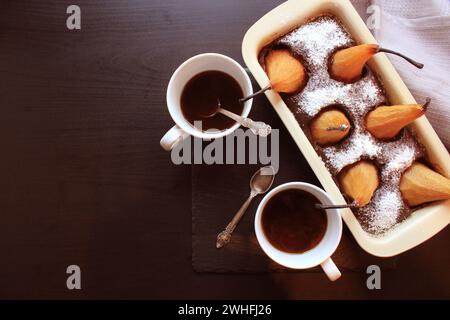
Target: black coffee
200, 98
291, 222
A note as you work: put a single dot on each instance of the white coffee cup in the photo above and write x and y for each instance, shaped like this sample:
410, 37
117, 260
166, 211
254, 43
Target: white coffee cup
185, 72
321, 253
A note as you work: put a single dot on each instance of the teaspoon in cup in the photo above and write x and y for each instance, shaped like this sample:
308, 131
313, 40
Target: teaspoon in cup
257, 127
260, 182
336, 206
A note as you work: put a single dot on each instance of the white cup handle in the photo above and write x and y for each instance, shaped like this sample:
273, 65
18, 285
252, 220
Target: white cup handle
330, 269
173, 137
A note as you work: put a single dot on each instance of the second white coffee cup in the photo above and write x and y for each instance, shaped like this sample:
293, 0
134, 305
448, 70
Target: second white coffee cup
321, 253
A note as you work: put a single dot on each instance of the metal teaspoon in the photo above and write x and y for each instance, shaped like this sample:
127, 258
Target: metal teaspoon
257, 127
260, 182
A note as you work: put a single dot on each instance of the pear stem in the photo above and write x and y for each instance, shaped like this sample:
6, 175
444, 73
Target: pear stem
413, 62
342, 127
256, 93
426, 104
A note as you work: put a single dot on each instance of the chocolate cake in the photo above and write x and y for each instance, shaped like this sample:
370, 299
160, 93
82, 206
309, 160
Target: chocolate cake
314, 43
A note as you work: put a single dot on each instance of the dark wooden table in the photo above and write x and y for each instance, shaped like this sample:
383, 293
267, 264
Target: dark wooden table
84, 181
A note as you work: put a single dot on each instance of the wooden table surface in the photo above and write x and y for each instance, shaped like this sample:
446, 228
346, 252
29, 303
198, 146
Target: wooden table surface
84, 181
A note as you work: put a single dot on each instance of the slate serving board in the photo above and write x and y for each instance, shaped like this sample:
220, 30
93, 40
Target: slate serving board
218, 192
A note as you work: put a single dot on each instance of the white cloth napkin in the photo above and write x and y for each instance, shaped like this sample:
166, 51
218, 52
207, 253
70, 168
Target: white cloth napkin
420, 29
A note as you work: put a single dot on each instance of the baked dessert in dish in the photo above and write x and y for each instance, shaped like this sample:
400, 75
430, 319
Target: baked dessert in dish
342, 108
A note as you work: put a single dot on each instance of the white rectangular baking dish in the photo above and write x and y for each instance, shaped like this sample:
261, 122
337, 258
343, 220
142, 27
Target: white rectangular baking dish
423, 223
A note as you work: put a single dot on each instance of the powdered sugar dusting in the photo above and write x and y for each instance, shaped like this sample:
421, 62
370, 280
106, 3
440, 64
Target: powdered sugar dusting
386, 203
363, 95
361, 145
315, 42
318, 39
399, 159
313, 101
